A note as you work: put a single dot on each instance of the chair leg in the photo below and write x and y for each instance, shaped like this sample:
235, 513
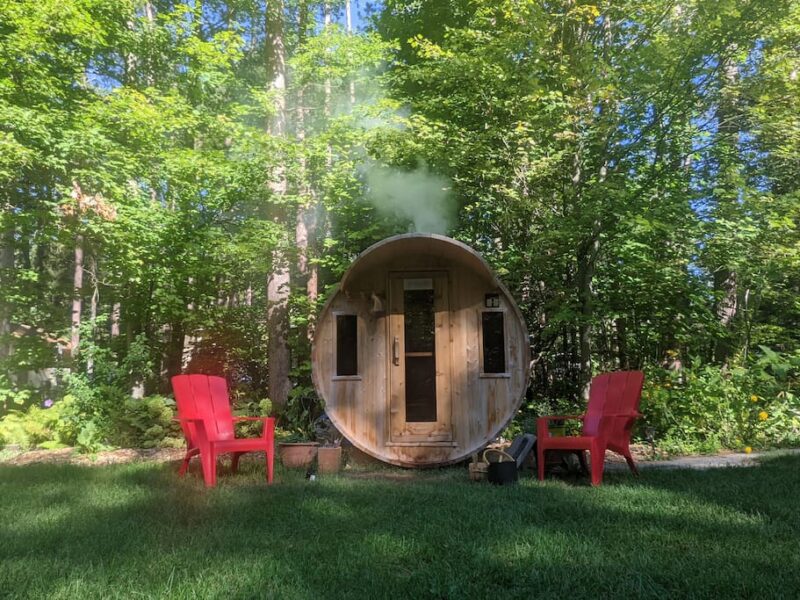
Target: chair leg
598, 463
185, 464
235, 461
190, 452
540, 462
270, 456
631, 464
582, 461
209, 460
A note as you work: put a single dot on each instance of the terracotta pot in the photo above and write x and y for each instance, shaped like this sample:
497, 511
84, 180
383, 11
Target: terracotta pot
297, 455
329, 460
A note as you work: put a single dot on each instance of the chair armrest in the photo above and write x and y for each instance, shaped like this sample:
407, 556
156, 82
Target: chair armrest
268, 431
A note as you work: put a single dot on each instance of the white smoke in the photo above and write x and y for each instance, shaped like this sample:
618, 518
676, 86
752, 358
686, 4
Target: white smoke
419, 196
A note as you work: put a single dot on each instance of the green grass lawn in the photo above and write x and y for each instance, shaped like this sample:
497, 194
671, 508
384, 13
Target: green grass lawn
139, 531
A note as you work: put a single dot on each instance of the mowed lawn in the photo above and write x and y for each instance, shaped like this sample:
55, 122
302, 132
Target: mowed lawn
138, 531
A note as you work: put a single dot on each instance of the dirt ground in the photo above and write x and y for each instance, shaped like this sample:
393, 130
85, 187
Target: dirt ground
73, 457
643, 455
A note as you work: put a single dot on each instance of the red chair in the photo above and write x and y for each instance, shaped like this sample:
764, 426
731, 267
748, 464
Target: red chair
204, 412
613, 408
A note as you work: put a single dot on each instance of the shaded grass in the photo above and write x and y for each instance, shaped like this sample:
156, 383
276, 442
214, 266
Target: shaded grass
139, 531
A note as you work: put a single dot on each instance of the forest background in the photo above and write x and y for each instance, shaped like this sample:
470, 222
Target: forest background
182, 183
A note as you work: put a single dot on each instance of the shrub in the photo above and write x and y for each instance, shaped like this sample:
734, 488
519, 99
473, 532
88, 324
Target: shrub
35, 427
146, 423
705, 408
93, 420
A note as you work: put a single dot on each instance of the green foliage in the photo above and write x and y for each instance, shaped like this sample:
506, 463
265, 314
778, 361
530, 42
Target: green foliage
30, 428
11, 396
147, 423
93, 418
629, 168
704, 409
297, 417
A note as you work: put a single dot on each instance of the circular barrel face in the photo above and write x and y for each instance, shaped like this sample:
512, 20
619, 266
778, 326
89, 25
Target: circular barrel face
420, 354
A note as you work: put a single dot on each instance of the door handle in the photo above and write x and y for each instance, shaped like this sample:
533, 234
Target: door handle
396, 351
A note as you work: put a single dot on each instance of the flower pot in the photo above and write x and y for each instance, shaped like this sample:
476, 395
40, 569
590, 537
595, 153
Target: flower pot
329, 460
297, 455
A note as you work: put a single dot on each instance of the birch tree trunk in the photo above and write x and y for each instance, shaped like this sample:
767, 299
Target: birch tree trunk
349, 24
116, 313
278, 281
6, 264
77, 298
93, 306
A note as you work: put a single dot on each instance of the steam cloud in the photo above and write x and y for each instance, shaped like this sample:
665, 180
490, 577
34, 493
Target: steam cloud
419, 196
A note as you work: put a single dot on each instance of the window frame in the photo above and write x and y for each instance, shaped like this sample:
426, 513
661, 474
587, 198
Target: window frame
506, 374
359, 362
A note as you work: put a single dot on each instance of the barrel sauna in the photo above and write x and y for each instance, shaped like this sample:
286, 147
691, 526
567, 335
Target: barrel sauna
420, 354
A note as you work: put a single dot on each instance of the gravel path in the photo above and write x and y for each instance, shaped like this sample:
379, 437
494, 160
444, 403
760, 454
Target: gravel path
641, 454
732, 459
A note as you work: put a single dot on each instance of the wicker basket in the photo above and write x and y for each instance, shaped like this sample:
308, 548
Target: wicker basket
478, 471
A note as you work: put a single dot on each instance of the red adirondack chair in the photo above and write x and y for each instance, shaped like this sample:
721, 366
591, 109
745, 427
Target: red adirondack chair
204, 412
613, 408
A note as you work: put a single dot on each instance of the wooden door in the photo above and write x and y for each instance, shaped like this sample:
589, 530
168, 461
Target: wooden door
419, 358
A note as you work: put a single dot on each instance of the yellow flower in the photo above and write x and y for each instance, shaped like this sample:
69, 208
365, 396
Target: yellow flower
747, 449
753, 398
763, 416
667, 385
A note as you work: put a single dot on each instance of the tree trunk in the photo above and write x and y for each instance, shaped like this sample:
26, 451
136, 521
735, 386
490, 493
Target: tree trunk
620, 325
93, 306
727, 203
116, 312
7, 265
586, 266
278, 281
77, 299
349, 24
305, 225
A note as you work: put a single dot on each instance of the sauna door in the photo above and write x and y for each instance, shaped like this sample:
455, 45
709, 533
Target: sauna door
419, 358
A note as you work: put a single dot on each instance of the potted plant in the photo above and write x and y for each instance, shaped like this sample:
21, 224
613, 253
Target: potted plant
557, 428
329, 457
295, 446
295, 450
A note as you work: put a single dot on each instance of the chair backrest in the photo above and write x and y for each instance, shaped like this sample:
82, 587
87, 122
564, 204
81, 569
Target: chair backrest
612, 393
204, 397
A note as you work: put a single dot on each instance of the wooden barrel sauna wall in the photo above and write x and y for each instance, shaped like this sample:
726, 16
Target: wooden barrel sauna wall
421, 354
